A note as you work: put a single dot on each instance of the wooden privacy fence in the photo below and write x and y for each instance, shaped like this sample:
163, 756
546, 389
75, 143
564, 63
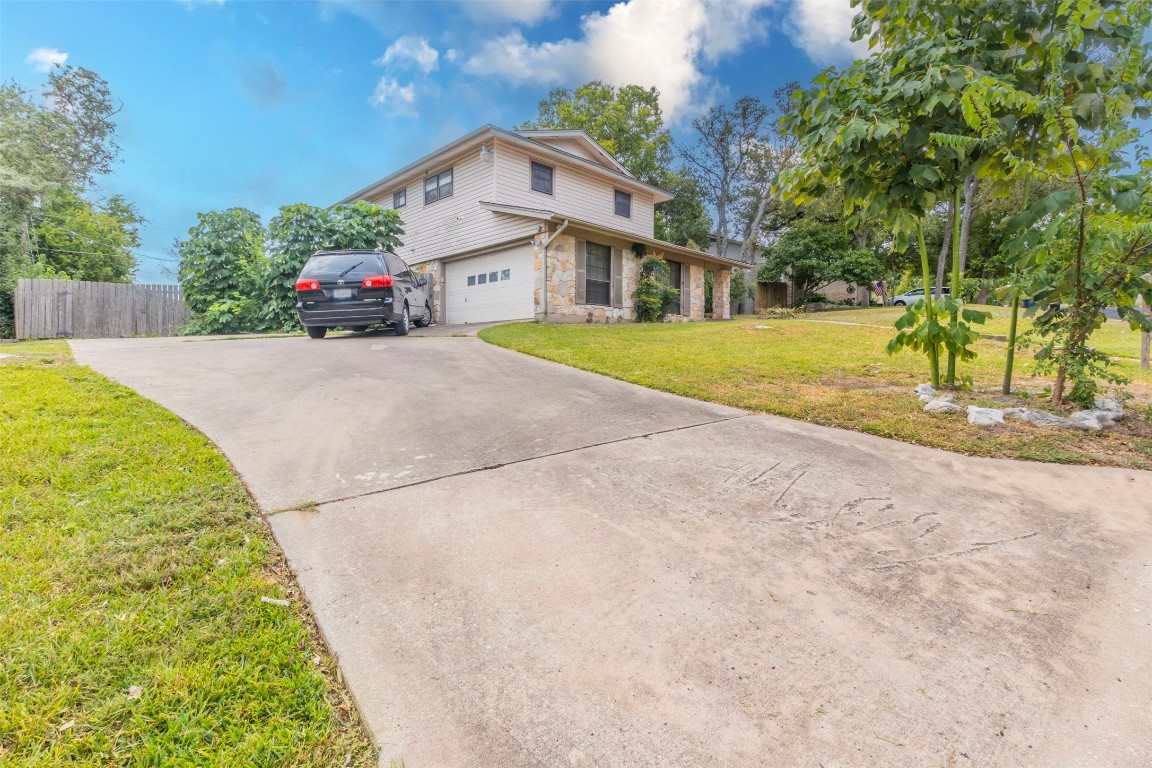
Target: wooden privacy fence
49, 309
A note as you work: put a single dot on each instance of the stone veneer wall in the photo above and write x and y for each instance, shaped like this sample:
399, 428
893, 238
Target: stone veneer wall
435, 272
561, 285
696, 292
721, 294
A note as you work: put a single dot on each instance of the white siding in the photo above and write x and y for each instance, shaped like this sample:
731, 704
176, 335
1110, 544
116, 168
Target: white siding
574, 147
455, 224
577, 191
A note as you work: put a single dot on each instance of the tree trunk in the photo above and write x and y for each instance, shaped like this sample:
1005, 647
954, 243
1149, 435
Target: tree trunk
929, 308
956, 279
1145, 340
971, 185
749, 244
1011, 358
985, 291
943, 260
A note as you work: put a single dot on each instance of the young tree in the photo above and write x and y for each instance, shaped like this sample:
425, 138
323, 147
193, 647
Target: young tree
814, 255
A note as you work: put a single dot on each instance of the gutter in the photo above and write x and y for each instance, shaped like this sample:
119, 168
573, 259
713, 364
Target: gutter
547, 242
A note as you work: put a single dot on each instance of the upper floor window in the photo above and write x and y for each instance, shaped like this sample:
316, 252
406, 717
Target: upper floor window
399, 198
542, 177
438, 187
623, 204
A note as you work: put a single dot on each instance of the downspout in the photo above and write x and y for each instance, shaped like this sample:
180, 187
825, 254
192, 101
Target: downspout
548, 242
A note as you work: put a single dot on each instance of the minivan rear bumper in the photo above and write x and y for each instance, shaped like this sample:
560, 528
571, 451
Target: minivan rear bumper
351, 313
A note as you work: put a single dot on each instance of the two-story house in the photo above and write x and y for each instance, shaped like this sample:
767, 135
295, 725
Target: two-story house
545, 225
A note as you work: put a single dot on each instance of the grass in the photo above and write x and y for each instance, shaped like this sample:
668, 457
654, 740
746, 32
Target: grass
836, 374
132, 567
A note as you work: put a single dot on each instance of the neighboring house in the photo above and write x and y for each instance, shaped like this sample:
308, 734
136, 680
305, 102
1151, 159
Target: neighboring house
781, 293
545, 225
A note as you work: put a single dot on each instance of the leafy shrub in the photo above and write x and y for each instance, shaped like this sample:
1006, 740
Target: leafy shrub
222, 268
653, 297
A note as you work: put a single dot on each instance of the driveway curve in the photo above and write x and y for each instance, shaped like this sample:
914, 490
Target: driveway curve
522, 564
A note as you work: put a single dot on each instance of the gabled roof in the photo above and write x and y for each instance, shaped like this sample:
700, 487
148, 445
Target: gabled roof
583, 137
434, 159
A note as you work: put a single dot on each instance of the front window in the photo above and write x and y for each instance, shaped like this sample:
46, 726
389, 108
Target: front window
542, 177
598, 271
438, 187
623, 204
399, 198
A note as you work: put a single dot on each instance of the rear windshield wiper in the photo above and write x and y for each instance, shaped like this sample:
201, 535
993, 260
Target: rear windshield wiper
350, 269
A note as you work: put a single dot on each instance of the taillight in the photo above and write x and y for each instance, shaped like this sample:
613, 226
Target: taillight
377, 281
307, 285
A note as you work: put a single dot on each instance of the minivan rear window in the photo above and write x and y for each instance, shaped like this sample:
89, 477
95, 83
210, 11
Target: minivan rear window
330, 266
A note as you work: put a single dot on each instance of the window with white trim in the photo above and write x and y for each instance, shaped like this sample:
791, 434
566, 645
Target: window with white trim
623, 204
399, 198
542, 176
438, 186
598, 274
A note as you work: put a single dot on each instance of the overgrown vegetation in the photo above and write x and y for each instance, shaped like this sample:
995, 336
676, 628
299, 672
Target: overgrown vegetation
653, 295
132, 571
238, 276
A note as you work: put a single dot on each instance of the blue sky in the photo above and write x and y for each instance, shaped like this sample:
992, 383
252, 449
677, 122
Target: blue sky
263, 104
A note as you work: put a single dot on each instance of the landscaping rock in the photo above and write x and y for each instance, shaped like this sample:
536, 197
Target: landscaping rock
985, 417
942, 405
1093, 420
926, 389
1040, 418
1113, 409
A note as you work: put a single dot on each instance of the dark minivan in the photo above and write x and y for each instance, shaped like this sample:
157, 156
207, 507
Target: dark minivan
359, 289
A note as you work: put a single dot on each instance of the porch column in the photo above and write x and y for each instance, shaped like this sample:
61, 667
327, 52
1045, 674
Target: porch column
696, 292
721, 295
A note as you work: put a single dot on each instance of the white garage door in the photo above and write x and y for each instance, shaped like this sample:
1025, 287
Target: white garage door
495, 286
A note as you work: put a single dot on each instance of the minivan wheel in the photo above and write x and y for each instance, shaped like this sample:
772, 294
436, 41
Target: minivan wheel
317, 331
426, 320
898, 304
402, 326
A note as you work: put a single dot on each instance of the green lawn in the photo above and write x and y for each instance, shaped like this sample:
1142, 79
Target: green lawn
132, 567
836, 374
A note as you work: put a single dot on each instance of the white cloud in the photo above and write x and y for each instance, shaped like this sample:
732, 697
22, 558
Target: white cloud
660, 43
410, 49
451, 55
823, 30
527, 12
46, 58
398, 100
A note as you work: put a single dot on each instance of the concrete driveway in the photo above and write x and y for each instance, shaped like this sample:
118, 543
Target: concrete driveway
521, 564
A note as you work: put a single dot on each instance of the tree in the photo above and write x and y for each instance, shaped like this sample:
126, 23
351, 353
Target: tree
738, 154
60, 144
222, 268
814, 255
83, 135
300, 230
683, 220
626, 121
85, 241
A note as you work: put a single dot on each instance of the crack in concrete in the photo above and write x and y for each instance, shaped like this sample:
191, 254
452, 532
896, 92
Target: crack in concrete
315, 505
